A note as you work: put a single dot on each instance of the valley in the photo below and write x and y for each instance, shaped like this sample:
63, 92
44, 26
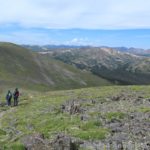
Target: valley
77, 99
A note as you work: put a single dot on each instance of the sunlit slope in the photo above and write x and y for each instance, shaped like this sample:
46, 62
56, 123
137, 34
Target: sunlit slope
21, 67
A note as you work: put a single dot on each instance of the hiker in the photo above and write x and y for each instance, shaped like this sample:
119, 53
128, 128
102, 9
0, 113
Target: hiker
16, 96
8, 98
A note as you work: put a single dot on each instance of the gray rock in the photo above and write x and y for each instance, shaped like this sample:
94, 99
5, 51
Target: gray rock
60, 142
35, 142
73, 107
64, 142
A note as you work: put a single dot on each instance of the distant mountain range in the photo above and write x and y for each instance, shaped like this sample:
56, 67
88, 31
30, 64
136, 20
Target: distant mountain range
111, 64
132, 50
67, 68
52, 47
118, 64
20, 67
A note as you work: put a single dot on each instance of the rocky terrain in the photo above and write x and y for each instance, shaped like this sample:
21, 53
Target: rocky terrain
102, 118
50, 48
111, 64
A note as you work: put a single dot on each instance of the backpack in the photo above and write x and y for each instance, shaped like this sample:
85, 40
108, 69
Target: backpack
16, 94
10, 95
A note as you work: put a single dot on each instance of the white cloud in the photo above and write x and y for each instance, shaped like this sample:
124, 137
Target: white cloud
78, 41
100, 14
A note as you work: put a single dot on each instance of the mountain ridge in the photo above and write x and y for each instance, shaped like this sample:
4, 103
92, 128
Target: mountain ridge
21, 67
131, 50
114, 65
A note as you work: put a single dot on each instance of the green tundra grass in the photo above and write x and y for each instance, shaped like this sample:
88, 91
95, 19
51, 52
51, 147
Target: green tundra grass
40, 113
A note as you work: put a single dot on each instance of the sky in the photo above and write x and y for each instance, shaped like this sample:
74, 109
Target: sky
76, 22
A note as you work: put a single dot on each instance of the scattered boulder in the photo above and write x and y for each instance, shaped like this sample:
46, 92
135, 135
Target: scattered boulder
139, 100
2, 104
120, 145
115, 98
72, 107
121, 96
64, 142
148, 99
129, 97
60, 142
35, 142
84, 117
116, 127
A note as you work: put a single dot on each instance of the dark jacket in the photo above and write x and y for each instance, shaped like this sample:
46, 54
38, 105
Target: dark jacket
8, 96
16, 94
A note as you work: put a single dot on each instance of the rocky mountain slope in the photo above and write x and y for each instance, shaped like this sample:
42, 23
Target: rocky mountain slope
44, 48
39, 48
23, 68
105, 62
132, 50
112, 118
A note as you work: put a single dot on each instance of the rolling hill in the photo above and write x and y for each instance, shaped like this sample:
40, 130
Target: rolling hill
108, 63
20, 67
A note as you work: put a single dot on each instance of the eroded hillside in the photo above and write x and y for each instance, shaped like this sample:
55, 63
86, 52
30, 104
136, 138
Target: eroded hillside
108, 63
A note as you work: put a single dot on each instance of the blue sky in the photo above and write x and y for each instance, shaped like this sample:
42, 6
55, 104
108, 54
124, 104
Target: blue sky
80, 22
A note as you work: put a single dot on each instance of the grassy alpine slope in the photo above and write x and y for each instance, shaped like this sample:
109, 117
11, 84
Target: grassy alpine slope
23, 68
104, 115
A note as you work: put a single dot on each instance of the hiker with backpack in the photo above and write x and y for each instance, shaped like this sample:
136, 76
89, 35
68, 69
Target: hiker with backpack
9, 97
16, 96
